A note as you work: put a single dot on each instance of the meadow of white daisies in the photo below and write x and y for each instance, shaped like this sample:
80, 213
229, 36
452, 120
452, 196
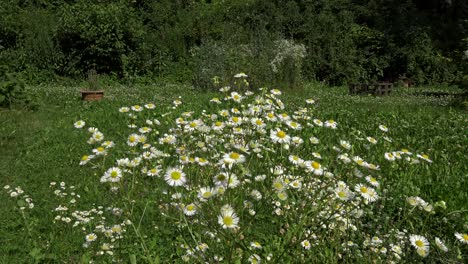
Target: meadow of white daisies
240, 176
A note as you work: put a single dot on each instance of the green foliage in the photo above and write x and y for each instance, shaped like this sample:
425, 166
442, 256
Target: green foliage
277, 63
345, 40
12, 90
287, 63
38, 40
424, 64
93, 80
331, 52
372, 58
103, 36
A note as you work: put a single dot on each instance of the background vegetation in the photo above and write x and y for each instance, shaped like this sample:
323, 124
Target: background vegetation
190, 40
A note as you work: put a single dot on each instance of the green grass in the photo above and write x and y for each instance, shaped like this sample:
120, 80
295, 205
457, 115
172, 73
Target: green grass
39, 147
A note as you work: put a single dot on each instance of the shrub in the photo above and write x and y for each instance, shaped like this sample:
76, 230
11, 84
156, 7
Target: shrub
98, 35
12, 90
287, 63
270, 62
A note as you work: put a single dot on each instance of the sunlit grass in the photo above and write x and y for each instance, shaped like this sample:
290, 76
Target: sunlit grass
283, 198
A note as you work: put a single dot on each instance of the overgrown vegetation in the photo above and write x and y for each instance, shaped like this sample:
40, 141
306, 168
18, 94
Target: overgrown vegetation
12, 90
344, 40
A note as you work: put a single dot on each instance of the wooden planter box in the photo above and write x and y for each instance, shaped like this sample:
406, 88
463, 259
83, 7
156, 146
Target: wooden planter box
91, 95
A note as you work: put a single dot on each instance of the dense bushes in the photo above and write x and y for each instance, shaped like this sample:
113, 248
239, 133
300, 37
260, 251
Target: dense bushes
12, 90
104, 36
277, 63
197, 40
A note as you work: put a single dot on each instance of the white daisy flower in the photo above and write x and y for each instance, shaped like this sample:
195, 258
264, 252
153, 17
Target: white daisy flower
133, 140
383, 128
424, 157
91, 237
279, 136
228, 218
419, 242
440, 244
206, 193
190, 209
367, 193
389, 156
314, 140
372, 181
462, 237
305, 244
85, 159
255, 245
113, 174
345, 144
371, 140
124, 109
79, 124
137, 108
175, 177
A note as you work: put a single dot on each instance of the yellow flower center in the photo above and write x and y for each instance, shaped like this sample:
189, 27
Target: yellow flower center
293, 124
218, 123
234, 155
259, 122
271, 115
193, 124
175, 175
114, 174
282, 196
341, 194
100, 149
84, 158
419, 243
425, 156
190, 207
281, 134
221, 177
465, 237
235, 119
363, 189
206, 194
228, 221
132, 139
315, 165
278, 185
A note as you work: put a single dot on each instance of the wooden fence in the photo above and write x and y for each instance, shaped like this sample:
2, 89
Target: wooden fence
383, 88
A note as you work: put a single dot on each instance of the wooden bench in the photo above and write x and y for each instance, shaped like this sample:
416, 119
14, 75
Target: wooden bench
383, 88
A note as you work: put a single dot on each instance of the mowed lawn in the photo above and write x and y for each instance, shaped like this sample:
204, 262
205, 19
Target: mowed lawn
39, 147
